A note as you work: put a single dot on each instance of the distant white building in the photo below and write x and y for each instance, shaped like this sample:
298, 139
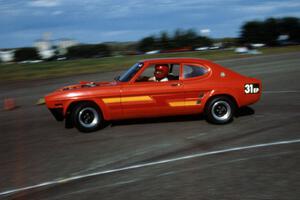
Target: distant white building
49, 48
44, 48
43, 45
64, 44
7, 55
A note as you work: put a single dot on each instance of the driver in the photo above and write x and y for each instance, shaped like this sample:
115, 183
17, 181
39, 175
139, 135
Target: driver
161, 73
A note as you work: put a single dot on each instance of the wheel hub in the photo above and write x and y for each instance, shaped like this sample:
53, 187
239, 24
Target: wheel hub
88, 117
221, 110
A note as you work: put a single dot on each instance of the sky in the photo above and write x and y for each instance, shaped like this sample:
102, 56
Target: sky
94, 21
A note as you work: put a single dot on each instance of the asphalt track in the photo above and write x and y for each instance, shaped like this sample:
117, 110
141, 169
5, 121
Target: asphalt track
255, 157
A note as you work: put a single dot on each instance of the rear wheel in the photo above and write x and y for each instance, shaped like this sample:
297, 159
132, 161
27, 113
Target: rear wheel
220, 110
87, 117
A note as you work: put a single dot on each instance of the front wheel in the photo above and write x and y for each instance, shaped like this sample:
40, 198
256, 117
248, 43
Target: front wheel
87, 117
220, 110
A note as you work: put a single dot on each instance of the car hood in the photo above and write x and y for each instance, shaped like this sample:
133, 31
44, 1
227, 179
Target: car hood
87, 84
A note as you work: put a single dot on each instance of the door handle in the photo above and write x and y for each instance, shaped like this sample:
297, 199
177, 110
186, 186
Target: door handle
176, 84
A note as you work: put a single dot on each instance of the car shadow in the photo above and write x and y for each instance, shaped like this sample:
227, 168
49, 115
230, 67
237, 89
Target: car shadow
181, 118
243, 111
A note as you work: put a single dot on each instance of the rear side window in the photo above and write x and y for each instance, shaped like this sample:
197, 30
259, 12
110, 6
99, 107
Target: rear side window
190, 71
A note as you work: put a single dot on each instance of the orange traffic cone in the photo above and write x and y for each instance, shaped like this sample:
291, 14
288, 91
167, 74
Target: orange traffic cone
9, 104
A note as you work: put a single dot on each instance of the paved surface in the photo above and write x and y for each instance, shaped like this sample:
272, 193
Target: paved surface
255, 157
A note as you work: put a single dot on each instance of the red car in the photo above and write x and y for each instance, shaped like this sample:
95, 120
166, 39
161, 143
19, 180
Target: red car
155, 88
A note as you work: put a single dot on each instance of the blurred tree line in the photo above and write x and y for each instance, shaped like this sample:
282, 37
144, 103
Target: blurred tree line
89, 51
26, 53
180, 39
78, 51
270, 30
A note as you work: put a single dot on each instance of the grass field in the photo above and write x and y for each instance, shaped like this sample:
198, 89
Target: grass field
15, 71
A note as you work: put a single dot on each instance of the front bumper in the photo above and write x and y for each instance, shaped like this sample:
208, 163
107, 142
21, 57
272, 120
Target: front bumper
57, 113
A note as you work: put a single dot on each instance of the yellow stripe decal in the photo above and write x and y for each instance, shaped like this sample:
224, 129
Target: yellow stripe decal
176, 103
191, 103
112, 100
183, 103
127, 99
136, 98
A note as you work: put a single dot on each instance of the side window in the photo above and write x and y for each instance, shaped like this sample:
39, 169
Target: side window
148, 74
190, 71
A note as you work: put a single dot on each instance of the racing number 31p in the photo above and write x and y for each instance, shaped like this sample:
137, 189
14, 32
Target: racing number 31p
251, 88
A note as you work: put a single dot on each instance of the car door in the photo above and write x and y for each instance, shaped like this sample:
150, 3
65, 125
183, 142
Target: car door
196, 86
152, 99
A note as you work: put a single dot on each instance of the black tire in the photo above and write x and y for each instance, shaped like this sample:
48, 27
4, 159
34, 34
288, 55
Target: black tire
220, 110
87, 117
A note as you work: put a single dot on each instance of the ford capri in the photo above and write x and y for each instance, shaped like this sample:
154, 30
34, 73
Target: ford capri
156, 88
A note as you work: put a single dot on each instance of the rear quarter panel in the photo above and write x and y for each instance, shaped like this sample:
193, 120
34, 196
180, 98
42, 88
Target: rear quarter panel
227, 82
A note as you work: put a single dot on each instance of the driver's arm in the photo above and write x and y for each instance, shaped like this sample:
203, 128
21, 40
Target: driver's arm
152, 78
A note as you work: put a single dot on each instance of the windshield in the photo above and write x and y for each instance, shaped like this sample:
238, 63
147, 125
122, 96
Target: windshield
131, 72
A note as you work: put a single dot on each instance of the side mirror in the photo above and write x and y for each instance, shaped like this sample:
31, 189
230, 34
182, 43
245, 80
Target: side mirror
117, 78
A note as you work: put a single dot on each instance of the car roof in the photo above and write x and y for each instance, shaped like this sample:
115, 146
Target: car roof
176, 59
